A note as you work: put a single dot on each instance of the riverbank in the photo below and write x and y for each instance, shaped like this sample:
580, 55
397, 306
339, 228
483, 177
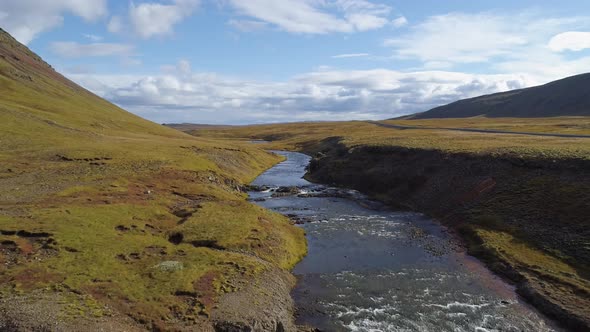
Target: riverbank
520, 203
132, 245
515, 215
373, 268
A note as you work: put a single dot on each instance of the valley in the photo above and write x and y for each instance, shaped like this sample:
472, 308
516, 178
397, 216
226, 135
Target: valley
469, 216
519, 202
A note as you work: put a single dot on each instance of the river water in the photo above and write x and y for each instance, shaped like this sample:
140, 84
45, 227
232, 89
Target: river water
369, 269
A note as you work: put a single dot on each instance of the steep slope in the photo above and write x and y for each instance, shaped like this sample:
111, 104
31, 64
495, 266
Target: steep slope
111, 222
566, 97
35, 95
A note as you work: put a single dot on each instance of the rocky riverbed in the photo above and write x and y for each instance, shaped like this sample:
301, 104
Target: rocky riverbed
372, 269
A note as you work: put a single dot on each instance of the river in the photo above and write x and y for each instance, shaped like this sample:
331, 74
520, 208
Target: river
373, 269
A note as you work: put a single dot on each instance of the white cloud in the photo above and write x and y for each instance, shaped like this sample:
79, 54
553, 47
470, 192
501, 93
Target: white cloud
460, 38
25, 19
155, 19
545, 66
178, 94
399, 22
129, 61
77, 50
364, 22
500, 43
316, 16
115, 24
247, 25
184, 67
571, 40
92, 37
350, 55
437, 65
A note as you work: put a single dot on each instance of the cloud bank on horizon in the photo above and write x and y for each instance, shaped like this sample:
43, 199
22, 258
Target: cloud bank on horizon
256, 61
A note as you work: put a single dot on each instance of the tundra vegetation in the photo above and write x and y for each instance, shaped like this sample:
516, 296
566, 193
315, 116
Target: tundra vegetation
104, 214
520, 202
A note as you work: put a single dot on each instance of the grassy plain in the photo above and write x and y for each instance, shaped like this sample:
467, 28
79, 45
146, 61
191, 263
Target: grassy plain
571, 125
298, 136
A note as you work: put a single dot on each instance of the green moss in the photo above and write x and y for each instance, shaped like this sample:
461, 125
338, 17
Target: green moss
520, 254
234, 225
108, 251
82, 305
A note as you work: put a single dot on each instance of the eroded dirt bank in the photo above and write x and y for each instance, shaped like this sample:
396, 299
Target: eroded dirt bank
526, 218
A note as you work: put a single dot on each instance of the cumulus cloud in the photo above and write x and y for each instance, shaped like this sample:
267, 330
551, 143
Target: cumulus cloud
77, 50
316, 17
571, 40
178, 94
156, 19
152, 19
25, 19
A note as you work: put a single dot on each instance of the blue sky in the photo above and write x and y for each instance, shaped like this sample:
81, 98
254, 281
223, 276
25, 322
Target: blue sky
255, 61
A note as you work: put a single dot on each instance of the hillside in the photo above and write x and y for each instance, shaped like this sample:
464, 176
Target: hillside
566, 97
111, 222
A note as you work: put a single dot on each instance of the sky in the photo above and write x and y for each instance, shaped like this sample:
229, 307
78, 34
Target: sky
266, 61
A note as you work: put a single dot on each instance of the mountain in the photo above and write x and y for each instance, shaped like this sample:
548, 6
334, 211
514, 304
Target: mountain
566, 97
112, 222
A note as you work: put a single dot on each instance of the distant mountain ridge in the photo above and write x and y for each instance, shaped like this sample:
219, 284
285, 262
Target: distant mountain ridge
566, 97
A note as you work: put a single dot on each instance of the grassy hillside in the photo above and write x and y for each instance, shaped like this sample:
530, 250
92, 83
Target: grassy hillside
108, 215
566, 97
520, 202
